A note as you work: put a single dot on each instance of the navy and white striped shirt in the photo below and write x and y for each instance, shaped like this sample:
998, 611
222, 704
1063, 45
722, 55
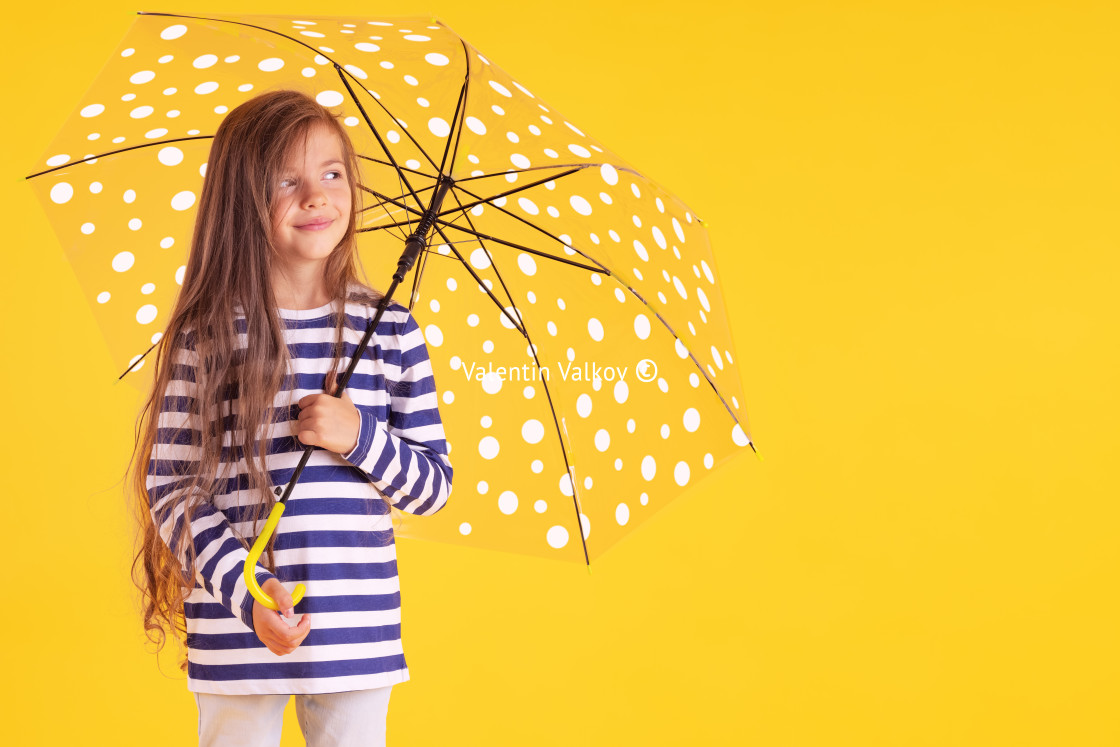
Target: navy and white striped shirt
336, 535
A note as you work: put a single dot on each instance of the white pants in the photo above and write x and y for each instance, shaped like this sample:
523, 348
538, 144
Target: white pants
347, 719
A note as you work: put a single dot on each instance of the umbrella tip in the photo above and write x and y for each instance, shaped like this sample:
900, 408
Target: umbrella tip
756, 452
588, 569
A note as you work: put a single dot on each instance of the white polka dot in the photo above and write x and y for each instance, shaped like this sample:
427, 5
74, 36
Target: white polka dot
557, 537
170, 156
488, 447
641, 326
142, 77
479, 259
580, 151
659, 238
500, 89
537, 466
708, 461
366, 47
532, 431
270, 64
173, 32
641, 250
180, 274
157, 132
520, 161
433, 335
528, 206
678, 230
691, 419
580, 205
583, 405
566, 484
146, 314
738, 435
540, 506
491, 382
148, 288
475, 125
681, 350
437, 59
204, 61
95, 188
526, 263
585, 523
140, 112
88, 228
135, 224
609, 174
93, 110
439, 127
356, 71
205, 88
649, 467
680, 473
622, 514
329, 98
507, 502
61, 193
103, 297
418, 37
703, 299
166, 242
465, 528
595, 329
123, 261
183, 200
602, 439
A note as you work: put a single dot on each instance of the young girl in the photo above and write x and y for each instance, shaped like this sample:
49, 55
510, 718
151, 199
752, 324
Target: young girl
244, 380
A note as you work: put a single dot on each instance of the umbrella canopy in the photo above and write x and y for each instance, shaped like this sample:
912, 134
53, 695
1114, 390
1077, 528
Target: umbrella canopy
571, 305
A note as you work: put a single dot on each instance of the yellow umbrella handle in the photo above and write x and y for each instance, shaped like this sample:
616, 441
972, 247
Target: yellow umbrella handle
255, 553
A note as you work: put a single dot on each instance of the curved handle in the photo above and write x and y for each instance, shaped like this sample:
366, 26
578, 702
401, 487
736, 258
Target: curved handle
255, 553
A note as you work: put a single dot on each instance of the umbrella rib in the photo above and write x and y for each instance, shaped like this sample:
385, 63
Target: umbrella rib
574, 166
456, 123
92, 158
533, 352
523, 248
507, 193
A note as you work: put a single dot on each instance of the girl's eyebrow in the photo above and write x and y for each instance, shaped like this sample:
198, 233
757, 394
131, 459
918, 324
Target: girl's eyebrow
330, 162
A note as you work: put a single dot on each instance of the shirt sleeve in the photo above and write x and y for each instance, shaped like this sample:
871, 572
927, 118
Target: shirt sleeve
406, 458
220, 558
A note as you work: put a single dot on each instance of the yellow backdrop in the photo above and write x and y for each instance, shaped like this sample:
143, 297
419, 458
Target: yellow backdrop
913, 211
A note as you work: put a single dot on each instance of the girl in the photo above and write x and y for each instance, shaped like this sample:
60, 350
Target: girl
243, 381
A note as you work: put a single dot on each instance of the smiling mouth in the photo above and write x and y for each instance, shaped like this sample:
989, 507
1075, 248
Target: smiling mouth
316, 226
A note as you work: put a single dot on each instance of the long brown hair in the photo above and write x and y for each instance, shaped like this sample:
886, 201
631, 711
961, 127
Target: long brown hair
231, 256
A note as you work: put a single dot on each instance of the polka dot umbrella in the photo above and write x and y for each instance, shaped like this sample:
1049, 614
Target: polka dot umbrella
570, 304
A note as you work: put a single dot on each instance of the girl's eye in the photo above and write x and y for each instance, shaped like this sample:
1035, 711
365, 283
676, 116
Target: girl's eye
287, 183
337, 174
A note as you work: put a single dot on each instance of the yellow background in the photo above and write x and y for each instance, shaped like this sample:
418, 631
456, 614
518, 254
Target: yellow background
913, 208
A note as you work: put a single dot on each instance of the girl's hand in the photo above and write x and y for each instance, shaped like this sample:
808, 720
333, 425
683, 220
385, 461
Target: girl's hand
328, 421
280, 637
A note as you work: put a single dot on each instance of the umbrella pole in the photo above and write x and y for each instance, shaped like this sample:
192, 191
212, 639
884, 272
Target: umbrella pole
413, 245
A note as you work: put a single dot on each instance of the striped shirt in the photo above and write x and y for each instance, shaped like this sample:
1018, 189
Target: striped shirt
336, 535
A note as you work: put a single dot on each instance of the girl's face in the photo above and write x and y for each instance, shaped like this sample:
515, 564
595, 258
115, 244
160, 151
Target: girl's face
311, 201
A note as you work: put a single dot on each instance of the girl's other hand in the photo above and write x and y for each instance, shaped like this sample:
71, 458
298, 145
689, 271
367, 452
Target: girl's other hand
328, 421
277, 635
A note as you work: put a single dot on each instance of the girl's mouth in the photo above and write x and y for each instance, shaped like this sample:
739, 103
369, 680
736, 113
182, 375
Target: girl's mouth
318, 225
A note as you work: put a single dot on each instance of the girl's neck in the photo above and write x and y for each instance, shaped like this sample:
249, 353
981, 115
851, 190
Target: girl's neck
298, 296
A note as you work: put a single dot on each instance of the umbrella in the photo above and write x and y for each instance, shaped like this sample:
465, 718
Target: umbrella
571, 305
